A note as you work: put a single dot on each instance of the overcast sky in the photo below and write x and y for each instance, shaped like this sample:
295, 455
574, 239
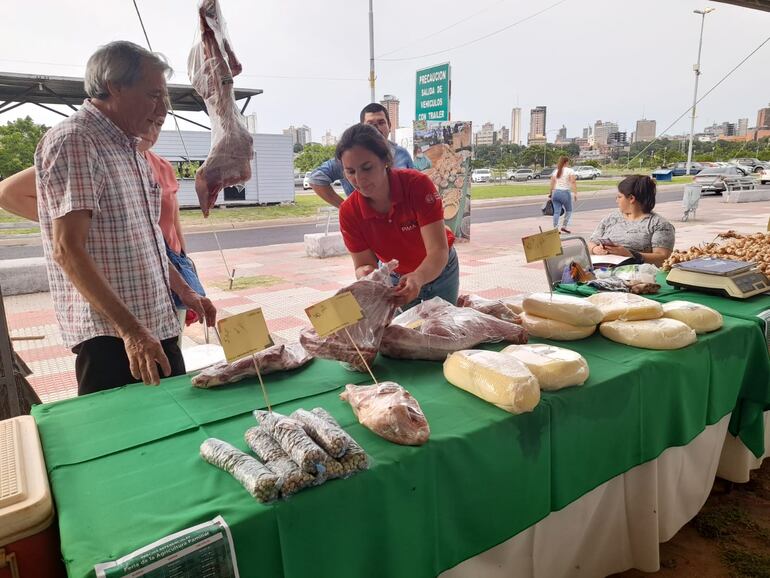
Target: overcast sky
613, 60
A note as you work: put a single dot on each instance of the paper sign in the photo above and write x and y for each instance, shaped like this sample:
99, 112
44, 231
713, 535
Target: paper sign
207, 546
541, 246
335, 313
244, 334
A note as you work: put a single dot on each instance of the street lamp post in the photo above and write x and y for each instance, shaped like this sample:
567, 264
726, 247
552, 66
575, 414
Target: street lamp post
696, 68
371, 49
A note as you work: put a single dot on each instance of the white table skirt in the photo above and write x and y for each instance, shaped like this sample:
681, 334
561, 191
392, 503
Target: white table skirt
617, 526
737, 461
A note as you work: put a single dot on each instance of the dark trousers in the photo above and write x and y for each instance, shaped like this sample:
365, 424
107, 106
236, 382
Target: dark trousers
102, 363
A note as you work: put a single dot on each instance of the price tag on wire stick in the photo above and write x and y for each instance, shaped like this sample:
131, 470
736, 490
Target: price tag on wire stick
244, 334
335, 313
542, 245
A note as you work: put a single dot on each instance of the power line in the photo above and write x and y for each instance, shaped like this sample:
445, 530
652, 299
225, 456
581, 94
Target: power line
423, 38
474, 41
709, 91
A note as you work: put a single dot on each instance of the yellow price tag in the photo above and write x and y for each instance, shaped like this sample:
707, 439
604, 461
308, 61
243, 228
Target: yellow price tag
244, 334
335, 313
542, 245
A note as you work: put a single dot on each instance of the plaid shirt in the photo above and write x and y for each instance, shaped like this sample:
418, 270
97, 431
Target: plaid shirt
87, 163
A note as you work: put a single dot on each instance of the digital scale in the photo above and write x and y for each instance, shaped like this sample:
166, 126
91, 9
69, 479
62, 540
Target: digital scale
738, 279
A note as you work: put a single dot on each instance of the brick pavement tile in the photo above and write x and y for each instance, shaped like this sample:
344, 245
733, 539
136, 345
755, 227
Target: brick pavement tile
26, 319
43, 353
280, 323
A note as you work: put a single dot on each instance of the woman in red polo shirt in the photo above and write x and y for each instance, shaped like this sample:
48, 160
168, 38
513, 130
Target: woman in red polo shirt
395, 214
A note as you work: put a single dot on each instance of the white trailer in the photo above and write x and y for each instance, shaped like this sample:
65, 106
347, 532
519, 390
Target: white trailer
272, 169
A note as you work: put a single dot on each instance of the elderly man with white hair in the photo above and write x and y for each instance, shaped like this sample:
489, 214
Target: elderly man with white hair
98, 206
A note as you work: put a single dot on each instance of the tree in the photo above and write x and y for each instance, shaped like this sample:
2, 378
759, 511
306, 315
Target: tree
311, 156
18, 140
298, 147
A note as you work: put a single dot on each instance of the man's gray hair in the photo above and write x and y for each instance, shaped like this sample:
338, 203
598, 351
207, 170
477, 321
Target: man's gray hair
120, 62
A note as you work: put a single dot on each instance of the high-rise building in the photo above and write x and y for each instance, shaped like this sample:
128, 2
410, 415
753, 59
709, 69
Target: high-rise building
486, 136
328, 139
503, 135
299, 134
537, 123
617, 138
251, 122
587, 132
743, 127
602, 131
562, 134
516, 126
763, 118
391, 103
645, 130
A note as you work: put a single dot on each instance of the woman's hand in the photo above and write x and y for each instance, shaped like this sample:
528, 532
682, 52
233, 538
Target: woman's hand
599, 250
408, 288
617, 250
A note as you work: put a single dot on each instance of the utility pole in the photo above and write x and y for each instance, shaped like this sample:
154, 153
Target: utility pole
696, 68
371, 49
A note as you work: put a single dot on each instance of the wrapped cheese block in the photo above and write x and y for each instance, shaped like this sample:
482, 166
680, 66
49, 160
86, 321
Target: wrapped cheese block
564, 308
515, 304
494, 377
554, 367
660, 333
625, 306
700, 318
556, 330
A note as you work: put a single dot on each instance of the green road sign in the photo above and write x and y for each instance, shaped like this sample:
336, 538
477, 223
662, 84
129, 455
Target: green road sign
433, 94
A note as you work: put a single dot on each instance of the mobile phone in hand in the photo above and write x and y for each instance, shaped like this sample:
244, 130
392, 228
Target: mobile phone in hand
606, 243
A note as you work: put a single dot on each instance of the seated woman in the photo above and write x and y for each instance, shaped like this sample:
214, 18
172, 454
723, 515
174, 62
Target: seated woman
634, 230
395, 214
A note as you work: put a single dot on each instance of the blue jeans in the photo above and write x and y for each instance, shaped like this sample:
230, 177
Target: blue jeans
561, 198
446, 285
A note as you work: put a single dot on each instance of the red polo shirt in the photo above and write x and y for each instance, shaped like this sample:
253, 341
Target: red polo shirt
414, 204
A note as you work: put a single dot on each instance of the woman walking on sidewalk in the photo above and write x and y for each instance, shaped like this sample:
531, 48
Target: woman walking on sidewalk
563, 192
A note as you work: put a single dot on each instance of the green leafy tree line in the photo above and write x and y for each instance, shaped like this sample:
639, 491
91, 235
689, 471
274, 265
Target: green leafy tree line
18, 140
311, 156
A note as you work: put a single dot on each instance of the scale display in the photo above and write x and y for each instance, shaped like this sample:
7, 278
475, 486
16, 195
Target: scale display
716, 266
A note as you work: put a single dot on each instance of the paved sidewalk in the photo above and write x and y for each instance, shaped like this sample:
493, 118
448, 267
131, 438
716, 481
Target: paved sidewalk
492, 265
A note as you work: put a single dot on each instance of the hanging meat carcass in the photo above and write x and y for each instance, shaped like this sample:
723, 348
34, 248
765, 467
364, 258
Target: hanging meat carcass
212, 64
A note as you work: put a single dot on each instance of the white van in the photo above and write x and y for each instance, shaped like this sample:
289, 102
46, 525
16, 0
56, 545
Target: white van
481, 175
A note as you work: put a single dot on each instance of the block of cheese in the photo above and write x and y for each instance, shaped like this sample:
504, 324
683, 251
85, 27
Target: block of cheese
625, 306
552, 329
494, 377
660, 333
564, 308
554, 367
514, 303
700, 318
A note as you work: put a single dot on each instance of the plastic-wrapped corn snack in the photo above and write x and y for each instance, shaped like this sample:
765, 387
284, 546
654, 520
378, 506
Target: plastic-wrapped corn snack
257, 478
355, 458
330, 437
292, 478
293, 439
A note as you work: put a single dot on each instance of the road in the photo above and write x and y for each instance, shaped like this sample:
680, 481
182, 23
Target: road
280, 234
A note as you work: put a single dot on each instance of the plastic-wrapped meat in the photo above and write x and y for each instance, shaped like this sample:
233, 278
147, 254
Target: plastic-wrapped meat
212, 65
257, 478
493, 307
435, 328
389, 411
270, 360
293, 439
355, 458
373, 294
292, 477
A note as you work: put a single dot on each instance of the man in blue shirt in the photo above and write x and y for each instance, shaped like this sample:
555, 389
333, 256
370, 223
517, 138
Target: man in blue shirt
321, 178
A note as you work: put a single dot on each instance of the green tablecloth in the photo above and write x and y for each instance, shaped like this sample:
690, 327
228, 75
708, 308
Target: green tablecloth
125, 470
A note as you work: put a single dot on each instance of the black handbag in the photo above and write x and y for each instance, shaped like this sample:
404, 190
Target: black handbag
548, 207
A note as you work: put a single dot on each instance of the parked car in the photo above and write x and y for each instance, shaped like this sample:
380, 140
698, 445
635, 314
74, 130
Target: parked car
306, 181
298, 179
481, 175
754, 165
764, 176
521, 175
585, 172
545, 173
680, 169
716, 180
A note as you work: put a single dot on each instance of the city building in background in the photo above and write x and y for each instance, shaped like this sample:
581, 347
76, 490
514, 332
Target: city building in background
486, 136
537, 124
251, 122
645, 131
763, 118
328, 139
391, 103
299, 134
516, 126
503, 135
561, 136
618, 138
587, 132
743, 127
602, 131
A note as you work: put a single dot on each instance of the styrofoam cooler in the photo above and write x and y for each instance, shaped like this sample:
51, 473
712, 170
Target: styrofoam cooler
29, 538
